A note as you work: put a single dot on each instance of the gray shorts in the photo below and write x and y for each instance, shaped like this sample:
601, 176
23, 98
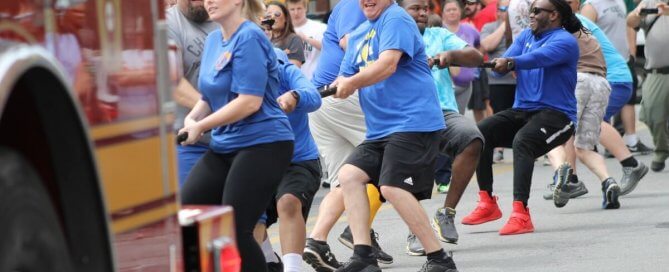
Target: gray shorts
459, 133
592, 97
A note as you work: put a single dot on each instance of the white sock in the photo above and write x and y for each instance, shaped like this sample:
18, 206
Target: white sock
630, 139
267, 249
292, 262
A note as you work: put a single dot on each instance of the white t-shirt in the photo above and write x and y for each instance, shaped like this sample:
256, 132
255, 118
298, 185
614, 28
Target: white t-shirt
519, 16
314, 30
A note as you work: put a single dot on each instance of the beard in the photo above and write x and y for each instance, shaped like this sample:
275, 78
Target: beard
197, 14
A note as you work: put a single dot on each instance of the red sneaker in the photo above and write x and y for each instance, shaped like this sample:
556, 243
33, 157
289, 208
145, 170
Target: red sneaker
519, 222
487, 210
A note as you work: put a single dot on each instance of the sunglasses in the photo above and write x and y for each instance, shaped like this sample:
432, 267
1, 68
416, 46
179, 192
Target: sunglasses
275, 14
537, 10
503, 8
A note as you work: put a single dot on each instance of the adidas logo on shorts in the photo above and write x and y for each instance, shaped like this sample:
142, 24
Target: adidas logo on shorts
409, 181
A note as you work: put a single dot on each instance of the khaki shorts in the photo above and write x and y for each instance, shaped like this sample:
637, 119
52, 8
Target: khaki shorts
592, 97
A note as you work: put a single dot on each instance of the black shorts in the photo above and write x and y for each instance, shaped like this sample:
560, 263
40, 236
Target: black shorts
403, 159
302, 180
480, 92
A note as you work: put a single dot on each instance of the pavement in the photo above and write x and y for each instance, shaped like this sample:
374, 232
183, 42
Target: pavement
578, 237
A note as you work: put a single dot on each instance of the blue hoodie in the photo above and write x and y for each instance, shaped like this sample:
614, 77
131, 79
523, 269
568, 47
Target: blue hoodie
545, 66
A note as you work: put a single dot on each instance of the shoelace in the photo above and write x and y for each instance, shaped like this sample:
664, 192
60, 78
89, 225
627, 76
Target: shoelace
375, 239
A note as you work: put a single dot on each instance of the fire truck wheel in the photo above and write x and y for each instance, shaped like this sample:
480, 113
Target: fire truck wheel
31, 238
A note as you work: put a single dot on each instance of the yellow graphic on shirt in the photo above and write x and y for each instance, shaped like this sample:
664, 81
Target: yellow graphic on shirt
366, 55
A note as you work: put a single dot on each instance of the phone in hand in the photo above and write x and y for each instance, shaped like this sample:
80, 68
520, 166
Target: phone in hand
646, 11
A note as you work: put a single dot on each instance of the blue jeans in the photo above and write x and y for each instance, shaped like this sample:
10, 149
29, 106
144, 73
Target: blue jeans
187, 156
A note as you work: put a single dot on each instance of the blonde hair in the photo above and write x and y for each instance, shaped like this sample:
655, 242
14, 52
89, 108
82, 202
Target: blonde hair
253, 10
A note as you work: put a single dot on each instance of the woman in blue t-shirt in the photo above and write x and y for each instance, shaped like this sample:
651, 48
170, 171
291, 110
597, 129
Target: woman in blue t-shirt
252, 141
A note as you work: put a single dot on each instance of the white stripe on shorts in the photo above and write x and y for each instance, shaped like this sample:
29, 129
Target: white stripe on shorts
556, 134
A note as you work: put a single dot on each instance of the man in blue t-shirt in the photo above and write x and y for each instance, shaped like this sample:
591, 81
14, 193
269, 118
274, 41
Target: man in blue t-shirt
385, 62
544, 58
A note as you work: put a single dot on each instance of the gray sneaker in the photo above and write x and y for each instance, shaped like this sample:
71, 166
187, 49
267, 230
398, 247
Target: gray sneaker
631, 177
561, 193
414, 247
444, 225
575, 189
610, 191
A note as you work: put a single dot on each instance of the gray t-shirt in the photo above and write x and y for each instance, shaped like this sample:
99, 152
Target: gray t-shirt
189, 37
507, 79
657, 39
612, 19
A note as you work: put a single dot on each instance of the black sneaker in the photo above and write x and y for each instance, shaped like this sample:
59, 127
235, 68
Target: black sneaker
657, 166
640, 148
444, 225
439, 266
562, 192
355, 264
319, 256
381, 256
611, 191
346, 238
631, 177
414, 247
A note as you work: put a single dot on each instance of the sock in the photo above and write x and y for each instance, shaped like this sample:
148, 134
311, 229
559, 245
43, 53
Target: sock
292, 262
364, 252
573, 179
630, 139
374, 201
437, 255
268, 251
630, 162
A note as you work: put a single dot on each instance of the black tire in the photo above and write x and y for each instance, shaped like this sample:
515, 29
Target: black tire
31, 238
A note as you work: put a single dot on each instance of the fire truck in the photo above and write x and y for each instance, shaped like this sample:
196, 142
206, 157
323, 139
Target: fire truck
87, 147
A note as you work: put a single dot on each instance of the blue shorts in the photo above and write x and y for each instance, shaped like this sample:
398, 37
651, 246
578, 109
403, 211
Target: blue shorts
620, 94
187, 156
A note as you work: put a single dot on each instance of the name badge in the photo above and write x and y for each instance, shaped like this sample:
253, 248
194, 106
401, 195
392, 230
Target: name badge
223, 60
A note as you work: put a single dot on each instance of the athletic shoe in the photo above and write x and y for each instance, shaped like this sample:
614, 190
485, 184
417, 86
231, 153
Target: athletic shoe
487, 210
319, 256
346, 238
355, 264
640, 148
381, 256
439, 266
443, 188
611, 191
498, 156
576, 188
414, 247
657, 166
519, 222
443, 223
561, 178
631, 177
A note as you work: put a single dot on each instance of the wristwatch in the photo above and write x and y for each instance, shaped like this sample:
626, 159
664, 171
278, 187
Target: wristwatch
510, 64
296, 96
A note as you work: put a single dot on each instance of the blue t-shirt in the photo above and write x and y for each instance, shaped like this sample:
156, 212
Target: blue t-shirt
616, 66
292, 79
245, 64
546, 71
345, 17
407, 100
437, 40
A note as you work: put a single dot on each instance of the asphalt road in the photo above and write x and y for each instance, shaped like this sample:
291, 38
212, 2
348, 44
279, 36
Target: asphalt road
578, 237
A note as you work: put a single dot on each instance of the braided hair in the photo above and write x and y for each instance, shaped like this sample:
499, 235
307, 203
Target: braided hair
569, 21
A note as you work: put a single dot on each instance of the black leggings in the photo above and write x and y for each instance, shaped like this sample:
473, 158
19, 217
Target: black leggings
245, 180
531, 134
